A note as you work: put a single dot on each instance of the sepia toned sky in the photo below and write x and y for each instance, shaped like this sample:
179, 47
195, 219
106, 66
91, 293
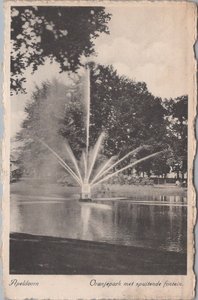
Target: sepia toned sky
145, 43
148, 45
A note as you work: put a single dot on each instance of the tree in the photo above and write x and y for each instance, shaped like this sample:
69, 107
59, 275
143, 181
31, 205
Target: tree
53, 122
160, 166
177, 133
62, 34
128, 112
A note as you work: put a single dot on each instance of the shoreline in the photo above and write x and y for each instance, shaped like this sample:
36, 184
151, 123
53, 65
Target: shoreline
32, 254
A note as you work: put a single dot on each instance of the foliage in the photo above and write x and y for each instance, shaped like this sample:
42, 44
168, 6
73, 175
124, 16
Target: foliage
44, 122
118, 105
62, 34
131, 180
177, 133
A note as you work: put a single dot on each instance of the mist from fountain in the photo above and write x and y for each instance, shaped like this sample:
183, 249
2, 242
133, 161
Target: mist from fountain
89, 156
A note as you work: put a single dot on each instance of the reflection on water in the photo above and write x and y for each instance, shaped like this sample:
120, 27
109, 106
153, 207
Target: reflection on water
115, 222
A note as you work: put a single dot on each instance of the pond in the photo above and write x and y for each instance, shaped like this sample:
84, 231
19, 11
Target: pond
150, 223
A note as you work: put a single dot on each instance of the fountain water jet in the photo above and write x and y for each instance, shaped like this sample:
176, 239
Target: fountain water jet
100, 174
89, 156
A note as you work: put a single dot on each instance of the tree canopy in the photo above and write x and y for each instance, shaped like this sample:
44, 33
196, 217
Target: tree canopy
177, 133
62, 34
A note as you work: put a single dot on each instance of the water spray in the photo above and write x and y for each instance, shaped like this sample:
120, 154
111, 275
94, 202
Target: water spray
90, 156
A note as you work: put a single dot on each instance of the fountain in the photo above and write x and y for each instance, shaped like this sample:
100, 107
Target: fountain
83, 177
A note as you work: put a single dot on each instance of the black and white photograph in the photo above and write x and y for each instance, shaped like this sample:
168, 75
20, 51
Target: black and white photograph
99, 116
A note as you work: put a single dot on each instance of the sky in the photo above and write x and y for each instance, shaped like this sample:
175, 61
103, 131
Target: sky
146, 44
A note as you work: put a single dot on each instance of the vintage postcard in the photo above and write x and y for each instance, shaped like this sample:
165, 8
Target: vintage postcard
98, 150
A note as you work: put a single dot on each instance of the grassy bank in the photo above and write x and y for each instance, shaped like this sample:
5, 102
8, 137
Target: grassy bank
31, 254
33, 188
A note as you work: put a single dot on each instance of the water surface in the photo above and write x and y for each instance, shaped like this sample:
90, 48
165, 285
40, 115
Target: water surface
158, 223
